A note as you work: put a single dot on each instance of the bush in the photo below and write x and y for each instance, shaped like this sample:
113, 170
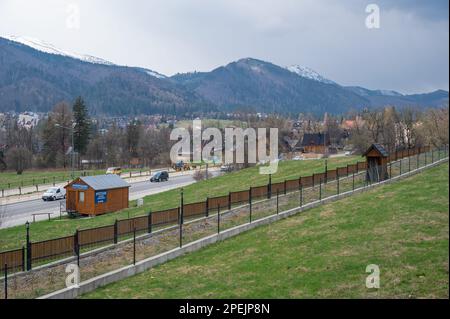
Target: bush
201, 175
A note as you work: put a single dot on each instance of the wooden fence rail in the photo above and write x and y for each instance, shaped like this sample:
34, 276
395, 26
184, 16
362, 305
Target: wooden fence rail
69, 245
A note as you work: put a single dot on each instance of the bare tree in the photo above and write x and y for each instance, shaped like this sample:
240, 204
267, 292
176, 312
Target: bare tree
433, 127
18, 158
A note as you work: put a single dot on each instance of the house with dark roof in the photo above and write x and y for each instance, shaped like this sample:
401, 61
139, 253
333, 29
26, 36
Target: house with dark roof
316, 143
95, 195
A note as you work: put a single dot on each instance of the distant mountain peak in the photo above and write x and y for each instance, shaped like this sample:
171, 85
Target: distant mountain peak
308, 73
366, 92
46, 47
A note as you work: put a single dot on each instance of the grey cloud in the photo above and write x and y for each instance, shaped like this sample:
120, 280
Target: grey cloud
409, 53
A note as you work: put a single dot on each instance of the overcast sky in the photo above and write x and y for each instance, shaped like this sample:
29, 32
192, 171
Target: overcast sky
408, 53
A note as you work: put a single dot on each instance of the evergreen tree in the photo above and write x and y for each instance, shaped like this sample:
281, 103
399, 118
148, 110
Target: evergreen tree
82, 126
55, 136
133, 132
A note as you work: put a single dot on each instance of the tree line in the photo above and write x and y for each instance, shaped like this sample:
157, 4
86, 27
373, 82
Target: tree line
49, 144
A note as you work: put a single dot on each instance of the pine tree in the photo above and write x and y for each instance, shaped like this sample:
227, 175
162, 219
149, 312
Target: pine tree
82, 126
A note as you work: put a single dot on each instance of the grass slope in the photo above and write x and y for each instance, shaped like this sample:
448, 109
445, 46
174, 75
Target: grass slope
323, 253
12, 180
14, 237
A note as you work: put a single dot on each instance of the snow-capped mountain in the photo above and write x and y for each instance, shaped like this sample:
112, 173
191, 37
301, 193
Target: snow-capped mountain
308, 73
46, 47
49, 48
34, 76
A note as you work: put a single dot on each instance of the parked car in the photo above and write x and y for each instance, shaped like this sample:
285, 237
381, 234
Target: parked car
114, 170
226, 168
160, 177
54, 193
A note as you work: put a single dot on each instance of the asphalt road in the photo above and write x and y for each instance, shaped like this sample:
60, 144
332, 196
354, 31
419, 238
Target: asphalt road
18, 213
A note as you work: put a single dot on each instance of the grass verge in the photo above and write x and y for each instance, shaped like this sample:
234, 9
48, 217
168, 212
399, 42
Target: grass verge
401, 227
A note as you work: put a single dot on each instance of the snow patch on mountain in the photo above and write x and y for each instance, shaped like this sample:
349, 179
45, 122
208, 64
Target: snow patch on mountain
155, 74
46, 47
389, 93
308, 73
49, 48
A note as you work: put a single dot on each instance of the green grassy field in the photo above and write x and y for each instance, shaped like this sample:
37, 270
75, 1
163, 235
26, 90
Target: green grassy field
10, 179
14, 237
213, 123
323, 253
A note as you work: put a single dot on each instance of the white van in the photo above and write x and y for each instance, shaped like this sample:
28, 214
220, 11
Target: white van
54, 193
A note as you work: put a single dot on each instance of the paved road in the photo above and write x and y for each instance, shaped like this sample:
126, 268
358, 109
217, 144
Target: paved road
18, 213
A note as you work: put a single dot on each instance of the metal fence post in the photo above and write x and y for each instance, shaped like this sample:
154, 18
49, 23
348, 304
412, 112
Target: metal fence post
6, 281
23, 258
278, 194
320, 189
269, 187
409, 162
229, 201
353, 181
76, 246
207, 207
337, 179
28, 243
285, 190
182, 206
218, 218
301, 195
181, 227
401, 166
116, 233
134, 246
250, 201
390, 170
149, 222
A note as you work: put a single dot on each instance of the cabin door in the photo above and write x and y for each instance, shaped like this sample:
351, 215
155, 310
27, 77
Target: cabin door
71, 200
373, 170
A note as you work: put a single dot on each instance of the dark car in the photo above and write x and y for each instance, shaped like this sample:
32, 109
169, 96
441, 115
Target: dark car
160, 177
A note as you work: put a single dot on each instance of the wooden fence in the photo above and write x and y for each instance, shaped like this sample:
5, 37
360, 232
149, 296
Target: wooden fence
70, 245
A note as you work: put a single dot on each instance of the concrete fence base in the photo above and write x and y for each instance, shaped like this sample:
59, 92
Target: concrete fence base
141, 266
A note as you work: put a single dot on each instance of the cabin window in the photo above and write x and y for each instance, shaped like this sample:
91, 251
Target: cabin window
81, 197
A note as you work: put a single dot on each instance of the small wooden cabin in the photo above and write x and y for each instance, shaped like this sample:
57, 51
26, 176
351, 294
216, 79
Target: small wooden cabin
377, 160
95, 195
316, 143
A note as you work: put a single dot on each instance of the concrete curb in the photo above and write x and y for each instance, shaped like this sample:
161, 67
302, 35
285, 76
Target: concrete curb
131, 270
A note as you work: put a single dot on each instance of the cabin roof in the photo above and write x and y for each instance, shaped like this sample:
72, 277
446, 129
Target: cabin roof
103, 182
316, 139
379, 148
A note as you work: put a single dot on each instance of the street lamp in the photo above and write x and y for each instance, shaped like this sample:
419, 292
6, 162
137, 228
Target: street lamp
71, 129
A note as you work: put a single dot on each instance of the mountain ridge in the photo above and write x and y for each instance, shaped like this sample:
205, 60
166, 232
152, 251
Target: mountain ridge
35, 77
